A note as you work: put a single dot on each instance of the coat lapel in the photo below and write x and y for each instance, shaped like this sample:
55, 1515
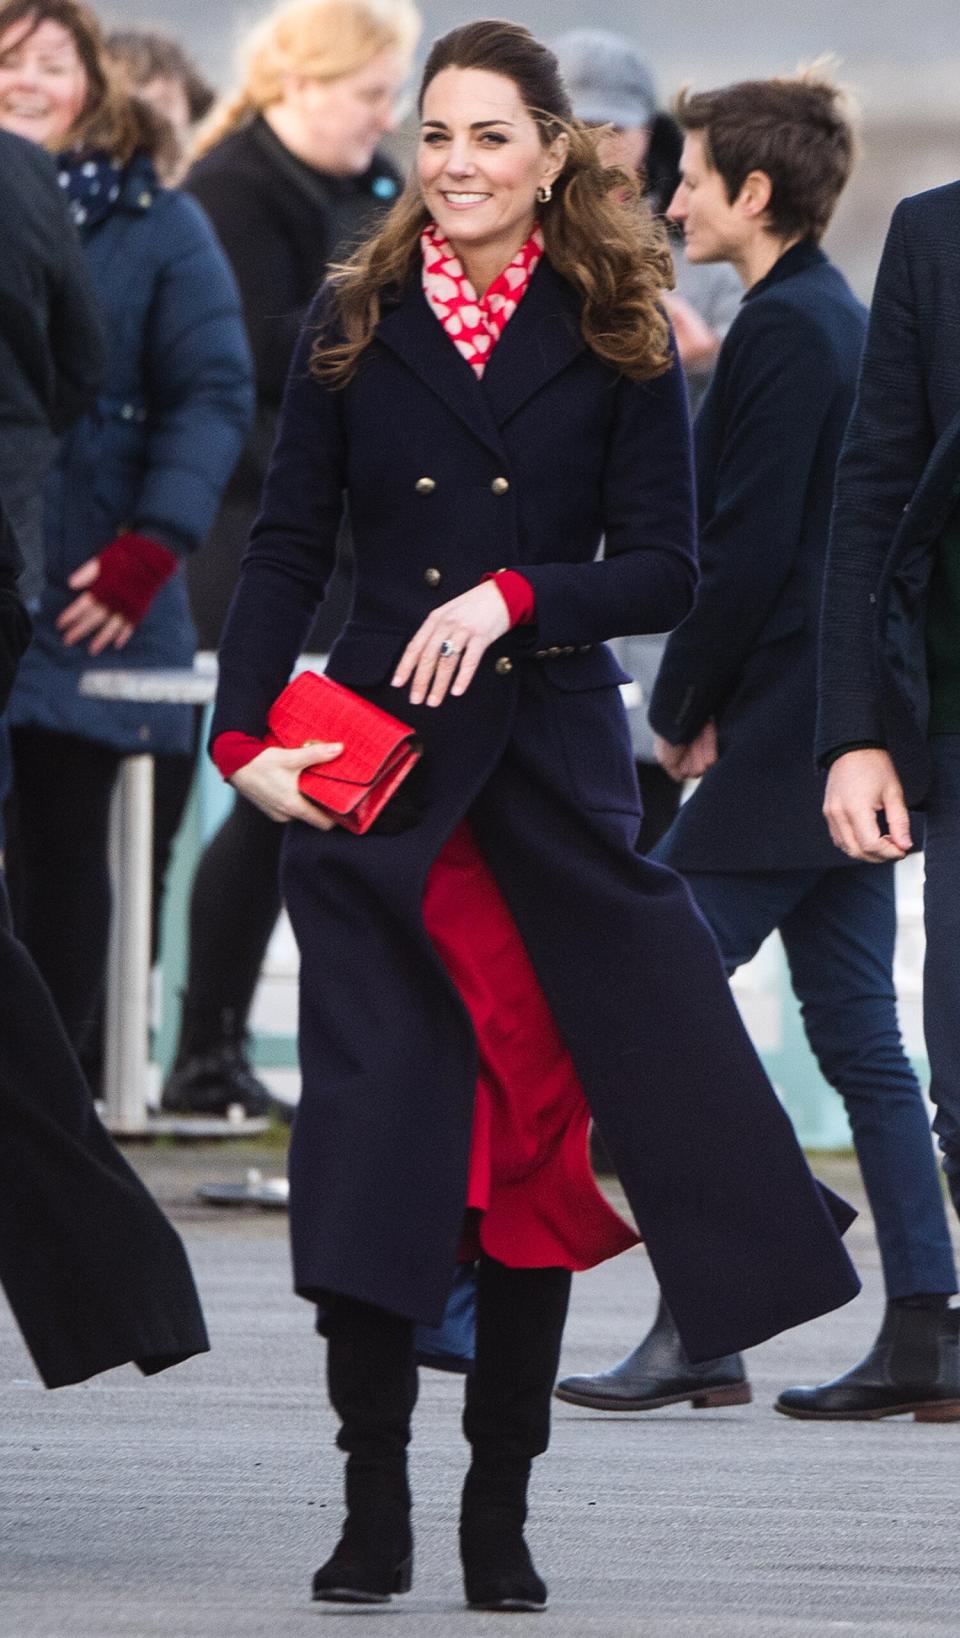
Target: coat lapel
412, 332
540, 340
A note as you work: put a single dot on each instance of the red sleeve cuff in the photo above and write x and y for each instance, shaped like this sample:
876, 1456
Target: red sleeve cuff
132, 570
518, 594
232, 751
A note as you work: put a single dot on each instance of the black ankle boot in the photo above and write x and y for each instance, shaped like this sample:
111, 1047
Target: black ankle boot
374, 1556
372, 1382
914, 1366
498, 1572
520, 1317
212, 1069
659, 1373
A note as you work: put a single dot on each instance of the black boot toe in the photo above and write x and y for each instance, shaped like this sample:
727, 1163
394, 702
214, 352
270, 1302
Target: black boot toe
658, 1373
913, 1369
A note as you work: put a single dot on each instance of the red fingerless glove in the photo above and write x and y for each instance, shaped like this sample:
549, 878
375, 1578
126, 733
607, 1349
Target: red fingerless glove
232, 750
517, 593
132, 570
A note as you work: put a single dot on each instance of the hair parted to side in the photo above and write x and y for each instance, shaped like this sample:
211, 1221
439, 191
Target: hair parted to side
111, 119
798, 130
598, 233
326, 39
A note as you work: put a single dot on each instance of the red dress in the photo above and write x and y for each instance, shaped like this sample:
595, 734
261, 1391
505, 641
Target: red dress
532, 1200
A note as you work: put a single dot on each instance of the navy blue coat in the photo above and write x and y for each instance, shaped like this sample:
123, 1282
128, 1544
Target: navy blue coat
538, 754
767, 442
153, 454
897, 483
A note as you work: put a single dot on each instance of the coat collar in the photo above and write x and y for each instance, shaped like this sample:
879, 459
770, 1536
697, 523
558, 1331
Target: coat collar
541, 339
801, 256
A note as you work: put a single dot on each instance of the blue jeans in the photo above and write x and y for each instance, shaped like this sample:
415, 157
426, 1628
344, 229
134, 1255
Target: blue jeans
941, 971
838, 929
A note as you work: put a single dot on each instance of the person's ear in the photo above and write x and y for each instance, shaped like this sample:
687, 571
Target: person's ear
755, 194
555, 158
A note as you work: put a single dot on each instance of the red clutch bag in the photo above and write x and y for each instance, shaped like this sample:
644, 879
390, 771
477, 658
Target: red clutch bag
378, 751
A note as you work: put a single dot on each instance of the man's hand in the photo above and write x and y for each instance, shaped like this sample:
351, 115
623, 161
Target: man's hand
860, 785
696, 342
691, 761
271, 782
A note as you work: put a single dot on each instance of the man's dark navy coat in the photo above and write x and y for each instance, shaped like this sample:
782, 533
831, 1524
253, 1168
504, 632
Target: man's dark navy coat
897, 484
537, 752
767, 441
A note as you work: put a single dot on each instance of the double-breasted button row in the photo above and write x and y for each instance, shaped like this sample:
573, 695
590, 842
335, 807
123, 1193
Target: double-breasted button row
426, 486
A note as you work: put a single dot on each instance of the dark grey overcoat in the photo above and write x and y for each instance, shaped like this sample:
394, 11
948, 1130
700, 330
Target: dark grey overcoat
447, 478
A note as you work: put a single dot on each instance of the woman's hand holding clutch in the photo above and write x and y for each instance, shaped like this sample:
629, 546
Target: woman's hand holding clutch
269, 781
442, 657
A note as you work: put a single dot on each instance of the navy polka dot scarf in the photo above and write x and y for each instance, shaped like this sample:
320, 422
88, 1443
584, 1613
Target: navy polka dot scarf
91, 183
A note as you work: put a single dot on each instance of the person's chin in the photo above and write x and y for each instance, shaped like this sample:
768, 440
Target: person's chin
696, 252
30, 130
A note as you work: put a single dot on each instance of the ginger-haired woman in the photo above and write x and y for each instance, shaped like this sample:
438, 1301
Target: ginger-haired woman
491, 384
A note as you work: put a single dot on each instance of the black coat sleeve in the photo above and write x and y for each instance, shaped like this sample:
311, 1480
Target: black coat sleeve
646, 578
773, 408
888, 443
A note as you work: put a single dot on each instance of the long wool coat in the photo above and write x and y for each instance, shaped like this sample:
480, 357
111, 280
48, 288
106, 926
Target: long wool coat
447, 478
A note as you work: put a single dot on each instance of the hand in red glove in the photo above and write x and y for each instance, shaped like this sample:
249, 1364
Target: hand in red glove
127, 575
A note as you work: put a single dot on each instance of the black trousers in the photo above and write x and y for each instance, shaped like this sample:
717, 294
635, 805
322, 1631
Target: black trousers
57, 857
94, 1273
233, 911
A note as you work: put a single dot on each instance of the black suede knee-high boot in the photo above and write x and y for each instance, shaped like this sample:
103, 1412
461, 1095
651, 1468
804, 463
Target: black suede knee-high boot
520, 1319
372, 1382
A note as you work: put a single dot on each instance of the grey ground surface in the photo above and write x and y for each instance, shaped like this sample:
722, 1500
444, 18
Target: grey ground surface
197, 1504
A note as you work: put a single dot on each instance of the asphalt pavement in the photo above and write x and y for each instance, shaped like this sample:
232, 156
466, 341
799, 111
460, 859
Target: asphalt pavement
197, 1504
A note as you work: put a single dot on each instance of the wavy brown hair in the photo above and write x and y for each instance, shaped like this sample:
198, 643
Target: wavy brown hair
111, 119
598, 233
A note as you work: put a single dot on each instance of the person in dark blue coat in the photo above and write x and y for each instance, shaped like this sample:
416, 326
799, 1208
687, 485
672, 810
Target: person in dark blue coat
135, 486
889, 717
735, 701
491, 389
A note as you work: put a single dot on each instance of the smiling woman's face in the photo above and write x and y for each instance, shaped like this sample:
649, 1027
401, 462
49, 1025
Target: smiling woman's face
481, 160
43, 83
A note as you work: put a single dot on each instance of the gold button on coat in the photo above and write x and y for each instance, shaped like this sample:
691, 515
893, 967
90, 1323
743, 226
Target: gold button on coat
425, 486
504, 666
500, 486
433, 577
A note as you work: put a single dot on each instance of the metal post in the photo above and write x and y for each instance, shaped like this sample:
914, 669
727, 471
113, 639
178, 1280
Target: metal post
128, 970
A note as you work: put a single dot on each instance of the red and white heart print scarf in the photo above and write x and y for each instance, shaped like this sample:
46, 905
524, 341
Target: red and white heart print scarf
474, 324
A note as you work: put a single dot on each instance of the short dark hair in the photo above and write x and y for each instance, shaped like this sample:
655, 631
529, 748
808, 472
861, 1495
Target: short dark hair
148, 56
798, 131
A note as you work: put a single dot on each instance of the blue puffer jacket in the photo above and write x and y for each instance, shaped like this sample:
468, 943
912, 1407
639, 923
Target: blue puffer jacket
153, 455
